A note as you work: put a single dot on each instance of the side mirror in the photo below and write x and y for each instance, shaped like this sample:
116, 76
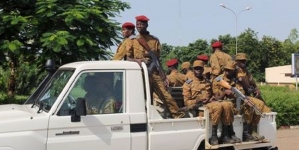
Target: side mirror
50, 66
80, 110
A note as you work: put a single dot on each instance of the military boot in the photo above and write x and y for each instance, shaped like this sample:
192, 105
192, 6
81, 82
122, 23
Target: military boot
232, 134
246, 133
253, 132
224, 135
214, 138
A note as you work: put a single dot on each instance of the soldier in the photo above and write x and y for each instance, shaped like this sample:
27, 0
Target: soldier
175, 78
186, 70
126, 48
218, 59
228, 134
157, 84
207, 69
198, 91
139, 53
245, 78
99, 94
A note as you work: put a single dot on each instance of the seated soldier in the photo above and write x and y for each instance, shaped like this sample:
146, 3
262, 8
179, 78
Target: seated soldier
186, 70
198, 92
207, 69
247, 82
228, 135
175, 78
99, 96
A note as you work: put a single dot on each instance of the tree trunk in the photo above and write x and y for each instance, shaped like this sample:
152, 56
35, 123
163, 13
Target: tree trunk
12, 79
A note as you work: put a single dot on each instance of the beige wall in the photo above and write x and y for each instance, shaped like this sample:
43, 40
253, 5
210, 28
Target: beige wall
276, 75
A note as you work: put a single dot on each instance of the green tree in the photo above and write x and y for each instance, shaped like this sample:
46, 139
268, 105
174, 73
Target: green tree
65, 30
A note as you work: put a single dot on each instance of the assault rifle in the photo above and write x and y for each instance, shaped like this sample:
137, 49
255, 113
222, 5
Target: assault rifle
155, 62
241, 96
249, 89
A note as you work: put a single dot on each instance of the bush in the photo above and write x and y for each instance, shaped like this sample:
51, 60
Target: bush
284, 101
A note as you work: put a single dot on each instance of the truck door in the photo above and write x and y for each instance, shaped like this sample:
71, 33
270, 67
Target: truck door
106, 125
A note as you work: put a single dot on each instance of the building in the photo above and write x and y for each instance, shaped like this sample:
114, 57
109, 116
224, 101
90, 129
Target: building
280, 75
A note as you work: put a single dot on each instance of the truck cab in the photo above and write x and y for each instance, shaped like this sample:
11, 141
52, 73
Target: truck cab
62, 115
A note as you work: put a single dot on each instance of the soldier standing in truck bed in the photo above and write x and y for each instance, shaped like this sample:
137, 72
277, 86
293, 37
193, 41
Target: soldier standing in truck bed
218, 59
126, 48
137, 52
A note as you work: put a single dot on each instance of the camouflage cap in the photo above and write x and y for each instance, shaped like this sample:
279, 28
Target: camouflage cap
198, 63
185, 65
240, 56
230, 65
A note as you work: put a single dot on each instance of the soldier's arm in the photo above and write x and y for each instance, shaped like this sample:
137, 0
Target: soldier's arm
215, 66
189, 102
120, 52
217, 91
158, 47
110, 106
182, 78
124, 49
251, 80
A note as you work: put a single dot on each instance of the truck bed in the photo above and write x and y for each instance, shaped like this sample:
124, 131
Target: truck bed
199, 128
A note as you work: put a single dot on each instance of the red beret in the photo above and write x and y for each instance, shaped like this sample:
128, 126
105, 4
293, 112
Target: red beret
217, 44
128, 25
203, 57
172, 62
141, 18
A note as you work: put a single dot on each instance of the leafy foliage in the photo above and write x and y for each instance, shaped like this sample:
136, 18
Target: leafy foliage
284, 101
64, 30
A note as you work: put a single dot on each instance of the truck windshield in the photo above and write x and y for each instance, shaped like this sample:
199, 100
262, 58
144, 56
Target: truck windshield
54, 87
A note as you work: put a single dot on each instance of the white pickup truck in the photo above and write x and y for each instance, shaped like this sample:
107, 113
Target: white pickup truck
57, 118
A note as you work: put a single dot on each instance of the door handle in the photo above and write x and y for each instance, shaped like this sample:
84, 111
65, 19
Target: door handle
68, 133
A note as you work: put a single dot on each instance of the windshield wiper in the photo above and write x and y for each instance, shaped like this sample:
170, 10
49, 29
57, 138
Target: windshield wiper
41, 107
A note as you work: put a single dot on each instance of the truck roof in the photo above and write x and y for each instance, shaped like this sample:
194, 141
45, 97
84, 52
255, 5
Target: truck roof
103, 64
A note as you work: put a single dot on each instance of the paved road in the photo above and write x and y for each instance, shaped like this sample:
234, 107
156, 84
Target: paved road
287, 139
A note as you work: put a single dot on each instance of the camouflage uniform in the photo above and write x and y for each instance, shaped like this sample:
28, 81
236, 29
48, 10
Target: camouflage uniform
248, 78
186, 65
207, 72
156, 81
98, 102
100, 105
189, 74
199, 90
130, 48
207, 69
228, 134
176, 79
227, 103
251, 118
218, 60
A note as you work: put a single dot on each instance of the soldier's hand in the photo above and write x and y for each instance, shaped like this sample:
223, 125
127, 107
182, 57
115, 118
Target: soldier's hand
228, 92
257, 93
246, 101
166, 83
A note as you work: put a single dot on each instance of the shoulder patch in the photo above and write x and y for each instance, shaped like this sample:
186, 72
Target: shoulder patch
219, 78
188, 81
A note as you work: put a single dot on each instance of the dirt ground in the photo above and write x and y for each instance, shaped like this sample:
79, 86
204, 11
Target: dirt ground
287, 139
